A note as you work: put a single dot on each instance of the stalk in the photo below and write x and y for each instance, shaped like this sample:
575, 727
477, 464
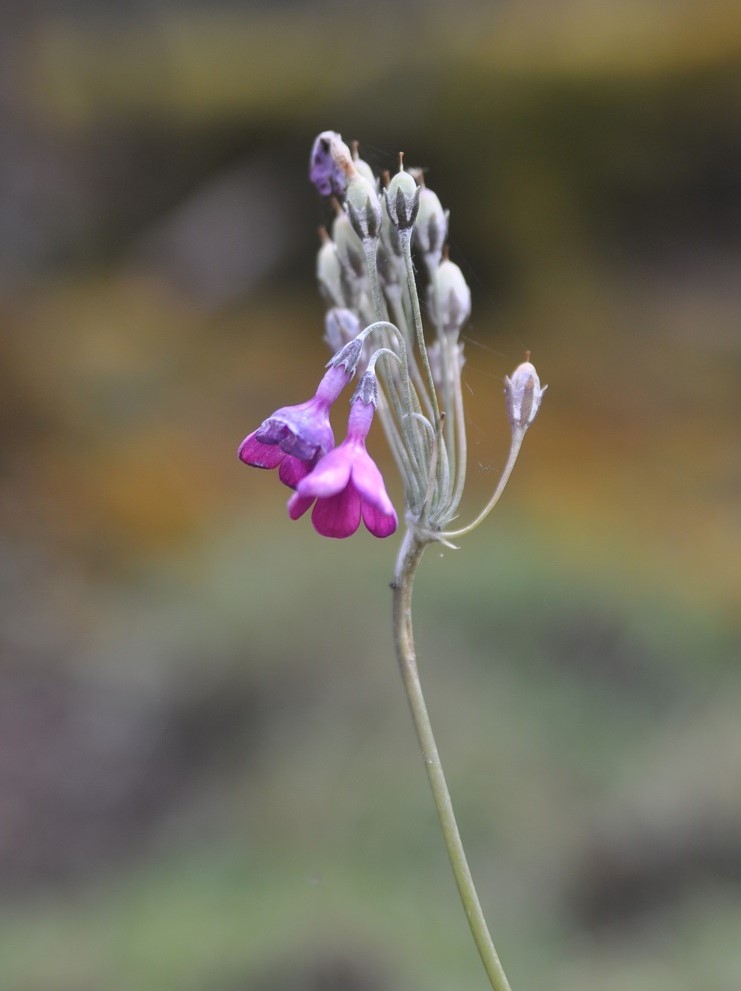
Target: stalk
410, 555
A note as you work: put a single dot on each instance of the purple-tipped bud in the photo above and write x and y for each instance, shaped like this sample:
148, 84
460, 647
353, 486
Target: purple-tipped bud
523, 395
325, 164
431, 227
402, 200
340, 327
363, 208
451, 297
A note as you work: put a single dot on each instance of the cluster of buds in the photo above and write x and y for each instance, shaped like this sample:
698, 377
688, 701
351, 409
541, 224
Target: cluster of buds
367, 276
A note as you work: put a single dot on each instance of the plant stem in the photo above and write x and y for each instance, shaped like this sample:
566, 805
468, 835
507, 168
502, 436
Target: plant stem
515, 445
410, 555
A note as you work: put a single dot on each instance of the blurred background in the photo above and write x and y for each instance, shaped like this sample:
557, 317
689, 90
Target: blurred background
208, 776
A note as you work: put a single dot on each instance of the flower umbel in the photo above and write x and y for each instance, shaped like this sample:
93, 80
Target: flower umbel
367, 274
346, 483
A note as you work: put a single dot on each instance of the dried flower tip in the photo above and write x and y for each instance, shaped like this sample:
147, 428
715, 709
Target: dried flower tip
402, 199
327, 164
451, 297
431, 228
366, 390
523, 395
363, 208
340, 327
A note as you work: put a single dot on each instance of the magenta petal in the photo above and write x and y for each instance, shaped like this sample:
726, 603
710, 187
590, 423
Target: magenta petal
380, 524
330, 475
292, 470
259, 455
369, 482
297, 505
339, 515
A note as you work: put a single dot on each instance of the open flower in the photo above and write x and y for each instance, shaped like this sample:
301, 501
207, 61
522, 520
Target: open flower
295, 437
346, 483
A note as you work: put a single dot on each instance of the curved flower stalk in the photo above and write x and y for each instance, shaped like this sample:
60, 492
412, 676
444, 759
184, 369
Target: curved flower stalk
295, 436
367, 275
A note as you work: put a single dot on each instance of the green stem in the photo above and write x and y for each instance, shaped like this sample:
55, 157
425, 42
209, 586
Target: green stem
410, 555
517, 436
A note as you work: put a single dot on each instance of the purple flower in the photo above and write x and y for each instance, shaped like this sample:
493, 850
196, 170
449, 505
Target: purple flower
290, 469
346, 484
324, 169
294, 437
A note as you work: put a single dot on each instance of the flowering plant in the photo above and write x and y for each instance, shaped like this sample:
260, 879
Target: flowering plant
366, 274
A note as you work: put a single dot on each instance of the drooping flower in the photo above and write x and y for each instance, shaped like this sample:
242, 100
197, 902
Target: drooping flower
295, 437
346, 486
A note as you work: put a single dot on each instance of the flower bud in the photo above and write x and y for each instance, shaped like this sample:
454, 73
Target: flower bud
327, 164
329, 272
523, 395
451, 297
363, 208
362, 166
340, 327
349, 248
402, 200
431, 227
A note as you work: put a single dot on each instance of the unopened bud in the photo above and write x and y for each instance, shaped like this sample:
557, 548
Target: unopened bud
340, 326
349, 248
329, 272
431, 227
451, 297
328, 164
402, 200
363, 208
362, 166
523, 395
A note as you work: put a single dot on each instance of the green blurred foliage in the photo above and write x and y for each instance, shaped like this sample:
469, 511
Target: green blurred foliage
209, 778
